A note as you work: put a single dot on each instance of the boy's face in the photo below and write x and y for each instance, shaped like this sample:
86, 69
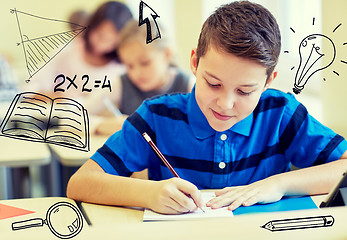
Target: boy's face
228, 88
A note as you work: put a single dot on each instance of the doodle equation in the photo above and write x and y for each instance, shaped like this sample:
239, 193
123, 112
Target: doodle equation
71, 82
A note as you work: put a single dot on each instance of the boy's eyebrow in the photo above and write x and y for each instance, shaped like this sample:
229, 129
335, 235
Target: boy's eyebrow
249, 85
211, 75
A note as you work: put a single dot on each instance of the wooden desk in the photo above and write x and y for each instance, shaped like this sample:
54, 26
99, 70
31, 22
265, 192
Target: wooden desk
73, 158
126, 223
19, 155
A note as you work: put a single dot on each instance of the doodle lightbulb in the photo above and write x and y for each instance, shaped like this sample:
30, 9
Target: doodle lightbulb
313, 58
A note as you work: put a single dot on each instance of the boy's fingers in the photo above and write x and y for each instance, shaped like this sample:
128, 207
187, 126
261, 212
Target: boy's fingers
251, 201
227, 193
196, 197
246, 199
220, 203
191, 192
172, 209
185, 204
222, 191
237, 203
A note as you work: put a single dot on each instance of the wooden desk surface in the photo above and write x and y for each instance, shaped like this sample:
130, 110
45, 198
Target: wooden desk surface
75, 158
126, 223
20, 153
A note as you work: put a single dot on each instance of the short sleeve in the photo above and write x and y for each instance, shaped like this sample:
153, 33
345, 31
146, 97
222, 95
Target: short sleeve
126, 151
312, 143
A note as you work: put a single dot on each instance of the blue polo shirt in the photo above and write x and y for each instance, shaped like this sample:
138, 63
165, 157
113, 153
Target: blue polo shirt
278, 132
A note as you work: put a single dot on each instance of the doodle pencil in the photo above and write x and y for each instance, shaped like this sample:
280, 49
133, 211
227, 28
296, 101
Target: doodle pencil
299, 223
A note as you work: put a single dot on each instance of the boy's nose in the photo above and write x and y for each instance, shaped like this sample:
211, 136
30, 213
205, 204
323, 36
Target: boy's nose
226, 101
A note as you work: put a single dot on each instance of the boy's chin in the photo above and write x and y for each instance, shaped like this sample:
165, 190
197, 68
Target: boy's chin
221, 127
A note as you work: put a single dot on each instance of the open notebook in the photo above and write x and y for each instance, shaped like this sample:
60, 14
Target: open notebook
150, 215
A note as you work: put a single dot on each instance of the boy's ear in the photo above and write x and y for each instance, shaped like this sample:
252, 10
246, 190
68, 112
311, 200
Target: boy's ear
271, 79
193, 61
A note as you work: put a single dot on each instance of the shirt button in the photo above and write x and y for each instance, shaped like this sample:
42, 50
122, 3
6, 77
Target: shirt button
223, 137
222, 165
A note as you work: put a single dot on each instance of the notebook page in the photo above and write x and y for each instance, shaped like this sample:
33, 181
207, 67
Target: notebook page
150, 215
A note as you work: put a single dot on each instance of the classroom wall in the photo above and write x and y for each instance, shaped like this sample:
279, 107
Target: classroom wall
187, 32
334, 95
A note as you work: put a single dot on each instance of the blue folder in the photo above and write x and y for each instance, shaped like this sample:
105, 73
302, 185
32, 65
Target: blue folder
285, 204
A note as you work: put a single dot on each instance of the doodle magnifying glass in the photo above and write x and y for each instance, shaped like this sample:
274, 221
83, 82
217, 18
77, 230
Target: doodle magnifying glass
63, 219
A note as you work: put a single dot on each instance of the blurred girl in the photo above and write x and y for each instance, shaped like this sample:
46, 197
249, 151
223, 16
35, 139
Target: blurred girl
93, 54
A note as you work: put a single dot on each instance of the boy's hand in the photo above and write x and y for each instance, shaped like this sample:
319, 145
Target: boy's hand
264, 191
172, 196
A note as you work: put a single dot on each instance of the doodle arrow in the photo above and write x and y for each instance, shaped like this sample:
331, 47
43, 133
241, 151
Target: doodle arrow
145, 13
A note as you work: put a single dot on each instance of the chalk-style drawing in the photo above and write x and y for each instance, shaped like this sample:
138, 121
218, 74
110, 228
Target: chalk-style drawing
299, 223
41, 48
62, 87
145, 13
313, 58
36, 117
63, 219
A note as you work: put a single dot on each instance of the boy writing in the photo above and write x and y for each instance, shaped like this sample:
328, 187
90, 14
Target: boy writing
231, 132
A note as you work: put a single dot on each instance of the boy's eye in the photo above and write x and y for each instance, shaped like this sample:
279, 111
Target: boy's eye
213, 85
244, 93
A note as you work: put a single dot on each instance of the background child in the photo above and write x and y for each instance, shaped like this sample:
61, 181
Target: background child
93, 54
230, 132
150, 71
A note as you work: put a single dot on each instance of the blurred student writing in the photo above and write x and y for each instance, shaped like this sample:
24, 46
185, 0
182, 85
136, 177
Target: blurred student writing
93, 54
150, 71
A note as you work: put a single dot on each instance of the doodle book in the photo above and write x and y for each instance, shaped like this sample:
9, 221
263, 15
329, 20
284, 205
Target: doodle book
36, 117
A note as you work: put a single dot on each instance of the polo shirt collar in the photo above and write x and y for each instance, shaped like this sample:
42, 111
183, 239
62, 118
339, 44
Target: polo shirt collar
202, 129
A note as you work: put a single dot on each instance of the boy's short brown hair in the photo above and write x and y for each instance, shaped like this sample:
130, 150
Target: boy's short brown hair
243, 29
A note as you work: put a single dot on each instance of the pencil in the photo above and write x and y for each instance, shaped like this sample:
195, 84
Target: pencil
111, 107
79, 205
162, 157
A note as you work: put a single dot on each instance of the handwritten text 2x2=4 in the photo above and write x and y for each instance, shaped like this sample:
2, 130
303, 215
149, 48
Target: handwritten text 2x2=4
61, 79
